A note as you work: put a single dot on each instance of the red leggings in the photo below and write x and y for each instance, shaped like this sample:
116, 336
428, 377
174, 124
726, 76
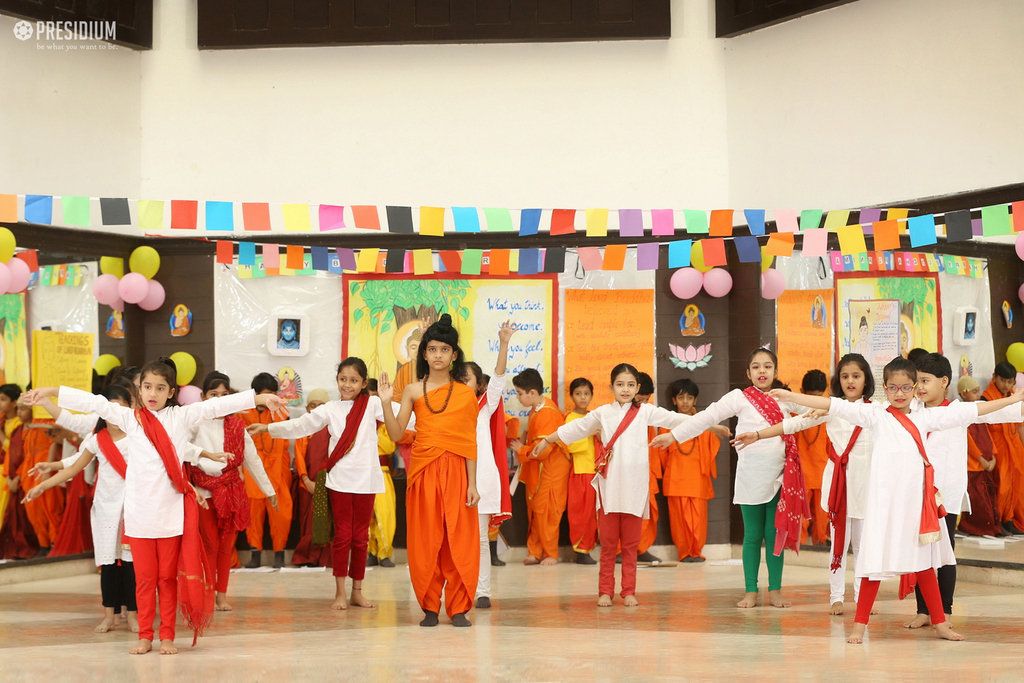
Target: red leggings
616, 528
219, 546
351, 512
929, 589
156, 571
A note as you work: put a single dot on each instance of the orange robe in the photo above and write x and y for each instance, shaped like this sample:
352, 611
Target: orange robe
689, 468
46, 511
582, 499
274, 454
406, 375
546, 479
982, 486
813, 446
649, 528
1009, 452
17, 539
443, 538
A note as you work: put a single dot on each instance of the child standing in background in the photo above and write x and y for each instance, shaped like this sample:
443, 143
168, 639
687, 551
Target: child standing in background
813, 446
582, 507
649, 530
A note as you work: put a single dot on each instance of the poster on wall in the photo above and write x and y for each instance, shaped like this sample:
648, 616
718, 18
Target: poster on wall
61, 359
14, 366
807, 317
886, 317
386, 315
590, 315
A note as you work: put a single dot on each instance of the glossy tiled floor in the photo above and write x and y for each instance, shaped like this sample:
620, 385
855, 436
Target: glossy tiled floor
544, 626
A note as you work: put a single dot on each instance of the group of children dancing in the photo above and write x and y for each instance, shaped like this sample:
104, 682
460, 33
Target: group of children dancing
170, 497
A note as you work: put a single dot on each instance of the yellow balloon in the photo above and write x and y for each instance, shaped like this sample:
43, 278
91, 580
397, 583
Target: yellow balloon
111, 265
1015, 356
697, 257
106, 363
766, 260
186, 366
7, 245
145, 261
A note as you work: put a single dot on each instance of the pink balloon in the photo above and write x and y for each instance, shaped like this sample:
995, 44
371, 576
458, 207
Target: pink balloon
105, 289
717, 282
133, 288
773, 284
1020, 292
117, 304
686, 283
5, 277
1020, 246
154, 297
1020, 380
189, 394
20, 275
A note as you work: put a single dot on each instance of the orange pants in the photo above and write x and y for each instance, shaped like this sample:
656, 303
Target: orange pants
688, 518
582, 512
280, 520
156, 571
817, 525
44, 514
649, 529
545, 514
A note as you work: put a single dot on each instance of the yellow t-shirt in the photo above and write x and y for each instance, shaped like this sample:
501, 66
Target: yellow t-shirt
582, 451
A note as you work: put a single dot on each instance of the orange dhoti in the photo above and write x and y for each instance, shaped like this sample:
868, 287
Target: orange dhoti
546, 479
688, 518
1009, 452
815, 528
275, 457
45, 512
582, 511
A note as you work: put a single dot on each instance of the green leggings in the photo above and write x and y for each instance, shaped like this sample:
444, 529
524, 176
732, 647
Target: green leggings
758, 527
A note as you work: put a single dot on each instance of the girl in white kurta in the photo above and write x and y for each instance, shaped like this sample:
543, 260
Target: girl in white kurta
760, 471
622, 493
154, 508
353, 477
896, 540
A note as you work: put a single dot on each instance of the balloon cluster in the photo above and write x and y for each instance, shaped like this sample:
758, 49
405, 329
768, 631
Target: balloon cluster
686, 283
14, 273
113, 288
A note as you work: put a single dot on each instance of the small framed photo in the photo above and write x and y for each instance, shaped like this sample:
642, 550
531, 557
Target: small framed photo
965, 323
288, 335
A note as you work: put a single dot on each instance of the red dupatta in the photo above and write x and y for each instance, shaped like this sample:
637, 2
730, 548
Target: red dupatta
111, 452
499, 446
230, 502
603, 451
793, 508
195, 572
348, 435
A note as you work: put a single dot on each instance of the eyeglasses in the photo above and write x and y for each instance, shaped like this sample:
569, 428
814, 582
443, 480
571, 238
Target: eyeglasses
906, 389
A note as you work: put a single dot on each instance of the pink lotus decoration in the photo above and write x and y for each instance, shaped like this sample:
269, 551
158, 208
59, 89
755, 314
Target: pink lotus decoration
690, 358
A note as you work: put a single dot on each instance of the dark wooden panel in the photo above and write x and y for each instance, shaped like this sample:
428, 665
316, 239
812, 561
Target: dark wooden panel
280, 23
133, 19
735, 17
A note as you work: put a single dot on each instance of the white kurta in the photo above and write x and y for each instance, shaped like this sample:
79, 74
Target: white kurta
358, 471
488, 483
628, 485
107, 514
79, 423
209, 436
759, 465
153, 508
947, 450
858, 468
890, 544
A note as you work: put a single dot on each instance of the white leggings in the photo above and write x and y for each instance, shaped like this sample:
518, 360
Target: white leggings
483, 583
837, 578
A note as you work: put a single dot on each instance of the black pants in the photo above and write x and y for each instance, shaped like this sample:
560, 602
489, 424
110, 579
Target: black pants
117, 586
947, 574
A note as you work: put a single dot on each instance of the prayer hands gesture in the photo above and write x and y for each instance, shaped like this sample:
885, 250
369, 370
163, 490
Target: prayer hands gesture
505, 331
273, 403
34, 396
385, 389
743, 440
41, 468
257, 428
663, 440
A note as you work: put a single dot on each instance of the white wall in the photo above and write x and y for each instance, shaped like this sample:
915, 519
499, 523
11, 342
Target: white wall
69, 119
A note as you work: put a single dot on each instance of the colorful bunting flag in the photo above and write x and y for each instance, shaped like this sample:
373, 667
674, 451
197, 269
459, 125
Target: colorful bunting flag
220, 216
432, 221
679, 253
631, 223
255, 217
498, 220
721, 223
755, 220
331, 217
366, 217
225, 252
696, 221
810, 219
597, 222
614, 257
151, 214
663, 222
563, 222
185, 213
529, 222
466, 219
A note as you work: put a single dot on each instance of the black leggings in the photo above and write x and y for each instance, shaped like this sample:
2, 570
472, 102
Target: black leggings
946, 575
117, 586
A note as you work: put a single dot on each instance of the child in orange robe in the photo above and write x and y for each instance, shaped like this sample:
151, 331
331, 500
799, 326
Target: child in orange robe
45, 512
813, 446
582, 498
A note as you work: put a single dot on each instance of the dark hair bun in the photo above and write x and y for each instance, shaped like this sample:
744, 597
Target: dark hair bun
444, 323
168, 361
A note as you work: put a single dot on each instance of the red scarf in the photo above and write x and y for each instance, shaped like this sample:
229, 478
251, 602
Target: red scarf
837, 497
499, 446
111, 452
227, 489
603, 451
931, 511
793, 508
195, 573
348, 435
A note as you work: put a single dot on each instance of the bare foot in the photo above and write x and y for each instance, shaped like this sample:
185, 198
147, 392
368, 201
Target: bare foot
548, 561
749, 600
105, 625
946, 632
919, 621
142, 648
775, 599
857, 634
836, 608
167, 647
222, 603
340, 603
357, 599
604, 601
530, 559
133, 622
631, 601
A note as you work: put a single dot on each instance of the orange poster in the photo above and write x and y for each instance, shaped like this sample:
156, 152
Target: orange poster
804, 331
602, 329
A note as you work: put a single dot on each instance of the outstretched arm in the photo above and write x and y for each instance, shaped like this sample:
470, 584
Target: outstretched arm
986, 407
745, 439
806, 400
59, 478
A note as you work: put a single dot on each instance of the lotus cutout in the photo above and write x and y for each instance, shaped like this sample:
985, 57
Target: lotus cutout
690, 357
